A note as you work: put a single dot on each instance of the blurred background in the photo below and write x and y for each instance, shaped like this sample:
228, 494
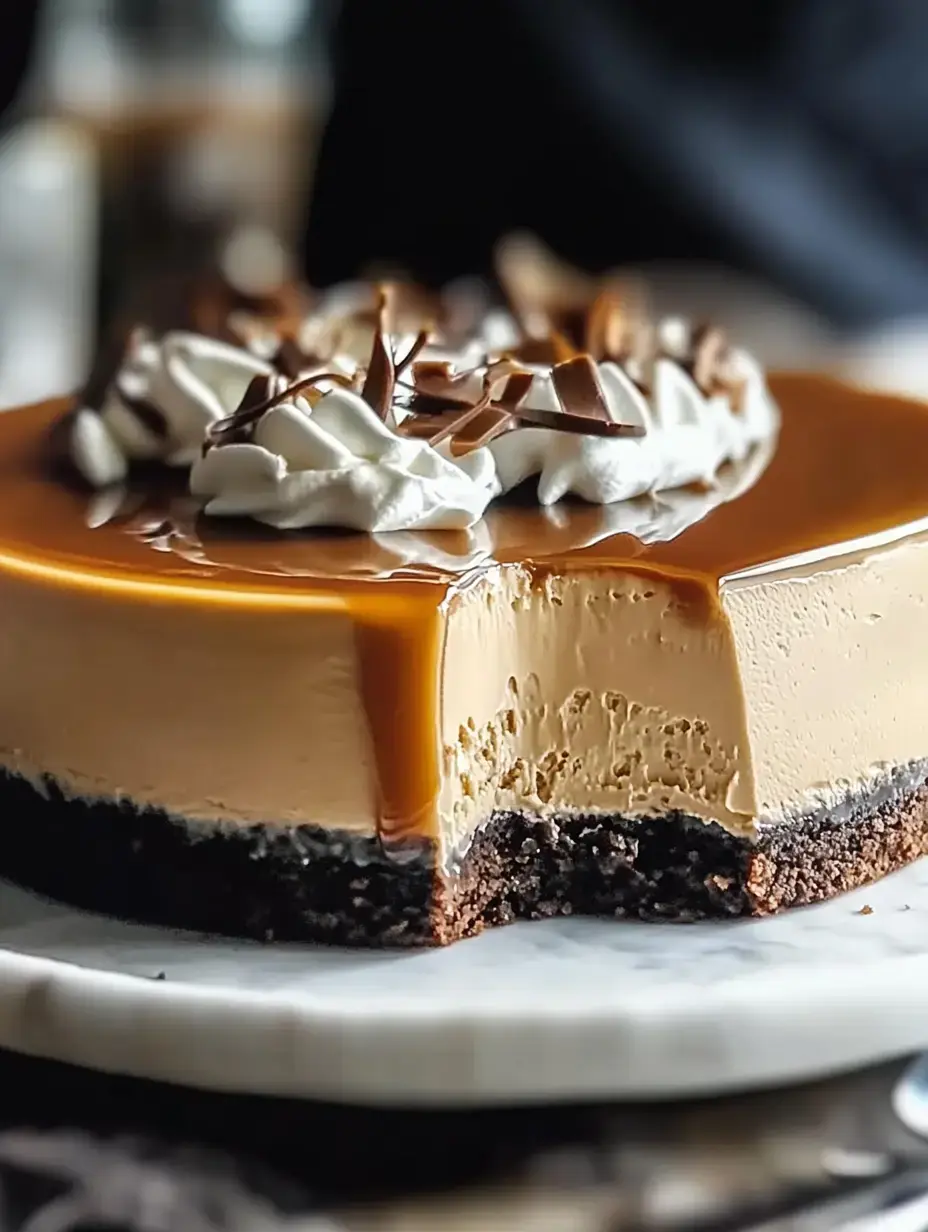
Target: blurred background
138, 136
764, 164
767, 163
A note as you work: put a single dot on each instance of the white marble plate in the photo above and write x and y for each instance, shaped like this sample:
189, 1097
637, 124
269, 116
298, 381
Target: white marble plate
562, 1009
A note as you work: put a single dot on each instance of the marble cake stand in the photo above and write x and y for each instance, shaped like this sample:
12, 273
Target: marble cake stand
568, 1009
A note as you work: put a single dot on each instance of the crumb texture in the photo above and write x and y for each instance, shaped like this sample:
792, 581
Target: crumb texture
308, 884
634, 758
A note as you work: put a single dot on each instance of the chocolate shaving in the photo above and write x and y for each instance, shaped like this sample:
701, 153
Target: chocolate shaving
499, 422
567, 421
291, 359
455, 421
148, 415
417, 347
576, 383
380, 379
434, 381
491, 379
238, 426
516, 390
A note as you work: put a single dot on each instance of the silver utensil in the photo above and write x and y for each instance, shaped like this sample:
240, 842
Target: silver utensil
871, 1191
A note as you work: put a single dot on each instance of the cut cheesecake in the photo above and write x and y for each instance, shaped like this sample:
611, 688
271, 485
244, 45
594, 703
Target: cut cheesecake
402, 739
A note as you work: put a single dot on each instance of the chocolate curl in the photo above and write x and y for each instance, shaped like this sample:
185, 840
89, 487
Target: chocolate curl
417, 347
290, 358
236, 426
148, 415
380, 379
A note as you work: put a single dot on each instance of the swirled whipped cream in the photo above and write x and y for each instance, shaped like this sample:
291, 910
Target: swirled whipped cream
336, 463
159, 404
379, 462
686, 437
374, 417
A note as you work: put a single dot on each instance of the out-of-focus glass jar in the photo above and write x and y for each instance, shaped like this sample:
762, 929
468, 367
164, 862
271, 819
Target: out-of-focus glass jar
206, 114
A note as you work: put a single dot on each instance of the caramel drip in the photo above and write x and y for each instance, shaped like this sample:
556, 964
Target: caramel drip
804, 500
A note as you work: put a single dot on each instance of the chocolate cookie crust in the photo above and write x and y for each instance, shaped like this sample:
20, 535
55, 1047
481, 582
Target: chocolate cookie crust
309, 884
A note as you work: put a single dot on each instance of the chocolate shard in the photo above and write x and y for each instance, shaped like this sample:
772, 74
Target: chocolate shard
436, 382
290, 358
421, 341
516, 390
145, 411
618, 325
455, 421
238, 426
380, 379
496, 378
576, 383
584, 425
494, 422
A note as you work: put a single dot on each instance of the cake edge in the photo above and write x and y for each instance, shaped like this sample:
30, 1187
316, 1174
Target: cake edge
304, 883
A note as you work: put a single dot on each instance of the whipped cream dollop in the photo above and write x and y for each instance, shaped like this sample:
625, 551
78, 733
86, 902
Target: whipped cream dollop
380, 442
336, 463
160, 404
686, 436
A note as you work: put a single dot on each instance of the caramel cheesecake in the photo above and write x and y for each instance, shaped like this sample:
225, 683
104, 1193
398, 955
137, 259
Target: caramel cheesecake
389, 635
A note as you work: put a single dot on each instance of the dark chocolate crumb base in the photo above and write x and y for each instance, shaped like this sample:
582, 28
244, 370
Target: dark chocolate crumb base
309, 884
264, 883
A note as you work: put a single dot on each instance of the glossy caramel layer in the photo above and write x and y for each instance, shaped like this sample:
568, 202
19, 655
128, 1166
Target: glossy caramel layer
848, 464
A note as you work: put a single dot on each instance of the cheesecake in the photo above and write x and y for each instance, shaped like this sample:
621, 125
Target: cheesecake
377, 630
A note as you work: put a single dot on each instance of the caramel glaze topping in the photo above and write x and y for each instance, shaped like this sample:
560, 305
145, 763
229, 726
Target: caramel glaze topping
807, 498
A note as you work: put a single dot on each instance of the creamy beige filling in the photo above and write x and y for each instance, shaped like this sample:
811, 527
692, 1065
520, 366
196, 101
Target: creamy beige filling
598, 693
591, 694
606, 695
834, 669
210, 711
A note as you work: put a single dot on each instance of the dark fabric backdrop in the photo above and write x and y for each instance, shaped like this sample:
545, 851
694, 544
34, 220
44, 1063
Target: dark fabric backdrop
789, 139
